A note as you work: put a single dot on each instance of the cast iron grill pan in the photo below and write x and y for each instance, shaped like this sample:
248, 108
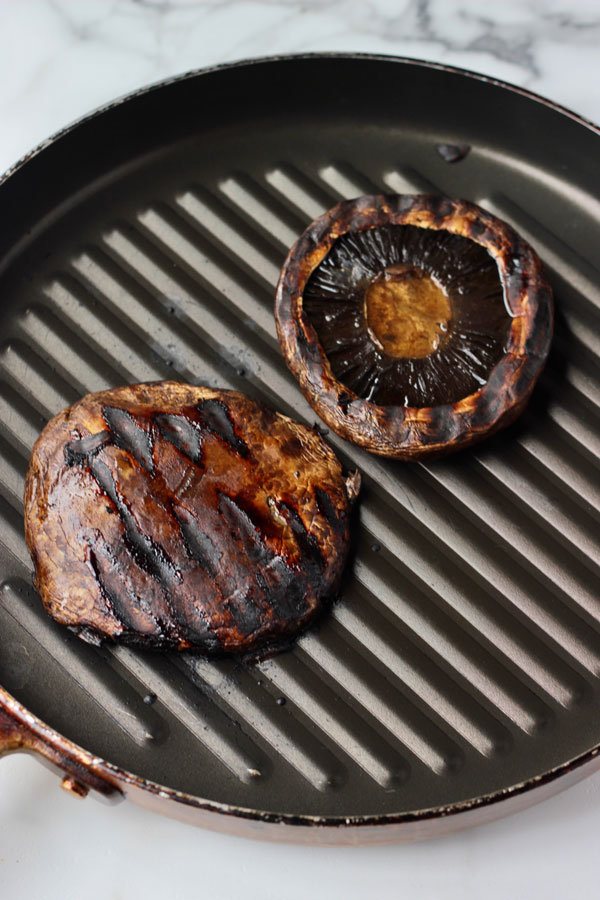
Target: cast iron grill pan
463, 656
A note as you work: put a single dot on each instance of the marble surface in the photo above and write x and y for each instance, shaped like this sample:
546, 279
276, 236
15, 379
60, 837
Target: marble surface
61, 58
58, 60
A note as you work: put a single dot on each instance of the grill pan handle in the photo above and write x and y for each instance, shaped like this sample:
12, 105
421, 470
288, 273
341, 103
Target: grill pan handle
78, 779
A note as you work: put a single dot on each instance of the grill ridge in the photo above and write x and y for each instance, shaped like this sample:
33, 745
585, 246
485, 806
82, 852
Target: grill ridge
218, 277
409, 667
83, 664
96, 275
351, 182
490, 683
206, 725
355, 732
458, 642
317, 776
299, 746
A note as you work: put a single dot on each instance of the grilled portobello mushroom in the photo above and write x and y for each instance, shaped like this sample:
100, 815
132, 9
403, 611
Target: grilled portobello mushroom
415, 325
174, 516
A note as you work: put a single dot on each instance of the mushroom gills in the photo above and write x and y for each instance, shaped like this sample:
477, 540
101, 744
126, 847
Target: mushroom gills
408, 316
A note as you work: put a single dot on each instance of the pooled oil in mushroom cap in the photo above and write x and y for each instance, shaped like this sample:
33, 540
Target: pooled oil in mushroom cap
408, 316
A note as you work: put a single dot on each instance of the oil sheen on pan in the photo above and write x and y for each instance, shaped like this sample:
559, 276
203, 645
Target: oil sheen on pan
414, 324
182, 517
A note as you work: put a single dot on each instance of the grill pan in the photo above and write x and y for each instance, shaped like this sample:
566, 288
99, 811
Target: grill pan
457, 677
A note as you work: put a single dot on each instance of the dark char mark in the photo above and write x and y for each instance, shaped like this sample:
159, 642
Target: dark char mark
182, 433
308, 546
287, 590
198, 544
118, 605
129, 436
249, 534
82, 450
122, 432
243, 608
284, 587
214, 415
244, 611
148, 555
327, 510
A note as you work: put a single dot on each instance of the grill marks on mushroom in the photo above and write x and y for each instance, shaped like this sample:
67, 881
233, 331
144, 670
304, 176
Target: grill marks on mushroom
467, 344
182, 517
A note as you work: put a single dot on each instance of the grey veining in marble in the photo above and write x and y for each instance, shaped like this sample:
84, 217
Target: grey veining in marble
61, 58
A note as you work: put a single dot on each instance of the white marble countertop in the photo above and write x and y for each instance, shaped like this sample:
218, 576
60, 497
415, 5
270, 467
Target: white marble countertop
58, 60
61, 58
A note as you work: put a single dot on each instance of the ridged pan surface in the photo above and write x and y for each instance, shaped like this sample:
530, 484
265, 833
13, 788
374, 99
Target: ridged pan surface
463, 655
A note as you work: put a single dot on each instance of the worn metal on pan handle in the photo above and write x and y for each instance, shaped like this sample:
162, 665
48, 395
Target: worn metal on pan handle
17, 735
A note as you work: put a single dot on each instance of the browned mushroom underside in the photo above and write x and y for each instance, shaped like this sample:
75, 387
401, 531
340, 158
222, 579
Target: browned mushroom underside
403, 431
177, 516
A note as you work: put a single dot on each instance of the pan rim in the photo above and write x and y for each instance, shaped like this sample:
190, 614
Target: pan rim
112, 773
288, 57
114, 776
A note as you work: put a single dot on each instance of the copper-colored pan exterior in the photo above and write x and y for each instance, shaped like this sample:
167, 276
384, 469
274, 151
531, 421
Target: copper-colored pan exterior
19, 730
456, 678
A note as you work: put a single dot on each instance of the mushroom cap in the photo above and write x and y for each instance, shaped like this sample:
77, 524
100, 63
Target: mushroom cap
413, 432
173, 516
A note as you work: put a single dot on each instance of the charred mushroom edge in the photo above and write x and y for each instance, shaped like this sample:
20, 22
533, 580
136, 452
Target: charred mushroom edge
410, 433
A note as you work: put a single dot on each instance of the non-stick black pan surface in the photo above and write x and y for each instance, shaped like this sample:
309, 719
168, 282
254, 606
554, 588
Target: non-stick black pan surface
462, 658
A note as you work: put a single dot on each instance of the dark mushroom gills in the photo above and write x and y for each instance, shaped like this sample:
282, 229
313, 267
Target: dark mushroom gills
415, 325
